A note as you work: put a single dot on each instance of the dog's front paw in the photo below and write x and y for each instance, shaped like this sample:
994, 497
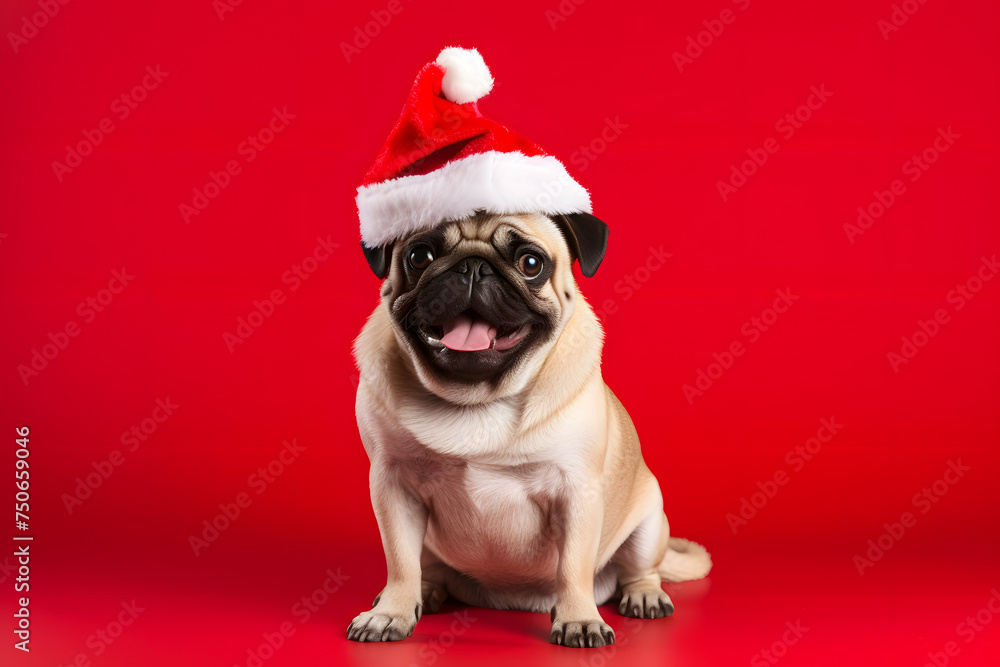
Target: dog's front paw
646, 604
583, 634
373, 626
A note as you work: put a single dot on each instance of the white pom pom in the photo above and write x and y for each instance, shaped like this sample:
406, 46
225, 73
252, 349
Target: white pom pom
466, 76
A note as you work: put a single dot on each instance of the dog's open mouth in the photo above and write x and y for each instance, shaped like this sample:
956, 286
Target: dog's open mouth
469, 332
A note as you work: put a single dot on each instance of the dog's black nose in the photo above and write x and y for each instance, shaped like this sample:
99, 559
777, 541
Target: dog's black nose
473, 268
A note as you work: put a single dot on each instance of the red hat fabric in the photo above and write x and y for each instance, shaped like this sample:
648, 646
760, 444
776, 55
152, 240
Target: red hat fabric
444, 160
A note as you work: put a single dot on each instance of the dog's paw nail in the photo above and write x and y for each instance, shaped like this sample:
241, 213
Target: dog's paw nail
646, 604
374, 627
586, 634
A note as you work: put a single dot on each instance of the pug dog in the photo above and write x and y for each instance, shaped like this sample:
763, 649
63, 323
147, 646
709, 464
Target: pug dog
504, 472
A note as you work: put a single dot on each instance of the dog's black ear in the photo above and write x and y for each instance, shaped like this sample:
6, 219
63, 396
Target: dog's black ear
378, 258
587, 237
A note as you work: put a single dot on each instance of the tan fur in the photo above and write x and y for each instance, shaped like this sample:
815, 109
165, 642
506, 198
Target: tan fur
530, 494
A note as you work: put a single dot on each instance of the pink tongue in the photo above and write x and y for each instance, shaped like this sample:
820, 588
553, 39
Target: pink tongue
467, 335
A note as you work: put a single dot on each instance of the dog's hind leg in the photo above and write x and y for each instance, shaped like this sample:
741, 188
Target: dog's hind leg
438, 581
434, 580
637, 561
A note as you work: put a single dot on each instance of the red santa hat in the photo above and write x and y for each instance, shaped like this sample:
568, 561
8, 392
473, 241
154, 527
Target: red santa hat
444, 160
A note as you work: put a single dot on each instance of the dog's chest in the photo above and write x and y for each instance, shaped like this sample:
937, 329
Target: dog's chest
493, 522
469, 432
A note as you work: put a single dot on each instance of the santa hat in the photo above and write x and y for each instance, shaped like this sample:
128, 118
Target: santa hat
444, 160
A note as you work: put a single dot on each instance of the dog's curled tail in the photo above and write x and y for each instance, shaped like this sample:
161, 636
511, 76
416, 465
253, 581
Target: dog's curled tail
684, 561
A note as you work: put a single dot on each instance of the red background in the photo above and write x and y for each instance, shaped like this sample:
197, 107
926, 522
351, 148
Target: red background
655, 184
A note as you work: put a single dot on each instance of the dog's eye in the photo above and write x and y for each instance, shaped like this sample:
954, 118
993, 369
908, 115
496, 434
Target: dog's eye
530, 265
421, 257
